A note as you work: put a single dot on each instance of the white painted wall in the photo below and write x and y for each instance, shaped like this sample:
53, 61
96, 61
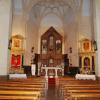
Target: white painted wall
18, 25
5, 15
85, 21
97, 35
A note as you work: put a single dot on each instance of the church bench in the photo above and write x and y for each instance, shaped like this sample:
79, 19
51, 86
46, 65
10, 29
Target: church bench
16, 86
71, 92
25, 86
36, 94
78, 82
26, 89
83, 91
21, 88
16, 97
79, 96
36, 83
82, 85
69, 89
21, 80
22, 85
79, 87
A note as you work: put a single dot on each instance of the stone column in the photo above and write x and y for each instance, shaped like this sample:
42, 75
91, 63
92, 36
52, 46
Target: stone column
5, 25
97, 34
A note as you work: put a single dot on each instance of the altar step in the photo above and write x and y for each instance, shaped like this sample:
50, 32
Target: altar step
51, 81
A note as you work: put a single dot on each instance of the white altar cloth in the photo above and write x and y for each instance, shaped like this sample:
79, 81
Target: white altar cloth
85, 77
17, 76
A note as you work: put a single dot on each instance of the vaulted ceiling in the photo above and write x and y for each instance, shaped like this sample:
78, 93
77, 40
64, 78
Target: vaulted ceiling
41, 8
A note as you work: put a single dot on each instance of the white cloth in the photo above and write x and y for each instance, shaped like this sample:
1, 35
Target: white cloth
33, 67
85, 77
17, 76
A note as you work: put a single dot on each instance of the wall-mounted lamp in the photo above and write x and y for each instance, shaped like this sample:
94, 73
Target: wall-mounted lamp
95, 45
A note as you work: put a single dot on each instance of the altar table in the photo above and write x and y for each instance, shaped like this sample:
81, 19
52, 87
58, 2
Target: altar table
55, 68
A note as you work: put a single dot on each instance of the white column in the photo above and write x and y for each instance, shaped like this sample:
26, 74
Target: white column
97, 34
5, 25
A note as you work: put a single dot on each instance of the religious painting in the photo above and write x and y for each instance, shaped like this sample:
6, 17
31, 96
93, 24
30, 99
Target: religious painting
16, 43
86, 45
16, 61
86, 62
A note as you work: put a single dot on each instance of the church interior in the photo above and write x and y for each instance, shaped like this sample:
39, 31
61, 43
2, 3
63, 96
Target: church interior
49, 50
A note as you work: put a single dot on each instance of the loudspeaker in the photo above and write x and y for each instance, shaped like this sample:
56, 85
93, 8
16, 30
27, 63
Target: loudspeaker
66, 63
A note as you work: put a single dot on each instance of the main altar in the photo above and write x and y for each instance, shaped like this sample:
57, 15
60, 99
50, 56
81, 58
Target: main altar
51, 57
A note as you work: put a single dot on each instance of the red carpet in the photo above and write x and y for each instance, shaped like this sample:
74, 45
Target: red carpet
51, 81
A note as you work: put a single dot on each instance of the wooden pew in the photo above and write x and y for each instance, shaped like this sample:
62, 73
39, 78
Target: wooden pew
79, 96
21, 90
15, 97
79, 89
20, 94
